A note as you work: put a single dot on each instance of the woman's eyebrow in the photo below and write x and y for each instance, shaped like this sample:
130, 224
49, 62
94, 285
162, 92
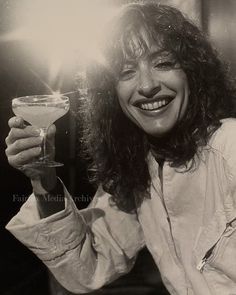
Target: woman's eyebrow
158, 54
129, 63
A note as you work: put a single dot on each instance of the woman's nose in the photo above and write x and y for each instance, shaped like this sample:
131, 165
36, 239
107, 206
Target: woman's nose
148, 85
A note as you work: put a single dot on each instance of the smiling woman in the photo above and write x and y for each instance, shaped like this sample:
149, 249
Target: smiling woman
159, 129
152, 57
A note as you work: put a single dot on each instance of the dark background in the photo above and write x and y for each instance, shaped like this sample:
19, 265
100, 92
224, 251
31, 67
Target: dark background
21, 273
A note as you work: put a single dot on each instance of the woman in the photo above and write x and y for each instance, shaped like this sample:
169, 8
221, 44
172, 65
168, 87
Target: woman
159, 127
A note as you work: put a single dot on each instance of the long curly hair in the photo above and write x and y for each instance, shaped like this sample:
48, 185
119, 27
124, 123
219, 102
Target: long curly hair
118, 148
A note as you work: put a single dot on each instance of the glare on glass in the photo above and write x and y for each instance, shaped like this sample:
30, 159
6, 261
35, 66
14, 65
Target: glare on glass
41, 111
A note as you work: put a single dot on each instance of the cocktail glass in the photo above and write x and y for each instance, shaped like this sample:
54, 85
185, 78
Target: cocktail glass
41, 111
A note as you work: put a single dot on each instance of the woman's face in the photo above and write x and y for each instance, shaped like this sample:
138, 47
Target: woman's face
153, 91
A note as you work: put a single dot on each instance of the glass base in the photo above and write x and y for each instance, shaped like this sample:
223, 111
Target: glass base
41, 164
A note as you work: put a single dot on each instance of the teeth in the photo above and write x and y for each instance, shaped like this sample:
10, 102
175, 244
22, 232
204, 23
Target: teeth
150, 106
153, 106
143, 106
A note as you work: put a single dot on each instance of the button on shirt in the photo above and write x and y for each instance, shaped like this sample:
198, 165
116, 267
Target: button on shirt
188, 224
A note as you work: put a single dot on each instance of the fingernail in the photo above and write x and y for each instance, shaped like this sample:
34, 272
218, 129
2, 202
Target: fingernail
18, 120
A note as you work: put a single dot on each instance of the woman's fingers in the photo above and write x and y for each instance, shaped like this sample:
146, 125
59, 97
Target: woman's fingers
24, 157
51, 131
23, 144
16, 122
17, 133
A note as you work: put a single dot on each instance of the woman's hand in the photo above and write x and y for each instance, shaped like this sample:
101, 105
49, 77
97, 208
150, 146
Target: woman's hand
24, 145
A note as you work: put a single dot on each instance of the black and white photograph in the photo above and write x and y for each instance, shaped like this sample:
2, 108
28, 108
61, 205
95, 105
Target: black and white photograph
118, 147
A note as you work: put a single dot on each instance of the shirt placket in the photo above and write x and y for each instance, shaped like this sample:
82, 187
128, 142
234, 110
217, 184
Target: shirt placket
167, 206
161, 185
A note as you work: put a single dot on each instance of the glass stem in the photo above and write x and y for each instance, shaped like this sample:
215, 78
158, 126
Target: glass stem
43, 133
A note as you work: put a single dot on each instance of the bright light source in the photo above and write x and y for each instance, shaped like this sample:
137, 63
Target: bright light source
62, 30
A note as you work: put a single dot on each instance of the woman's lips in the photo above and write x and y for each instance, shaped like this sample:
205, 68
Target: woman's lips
153, 104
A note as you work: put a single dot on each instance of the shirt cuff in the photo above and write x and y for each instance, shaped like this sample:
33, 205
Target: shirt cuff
52, 236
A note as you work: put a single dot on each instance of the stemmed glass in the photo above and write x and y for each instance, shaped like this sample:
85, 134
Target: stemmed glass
41, 111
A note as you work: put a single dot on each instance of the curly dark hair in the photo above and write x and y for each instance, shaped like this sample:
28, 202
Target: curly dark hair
117, 146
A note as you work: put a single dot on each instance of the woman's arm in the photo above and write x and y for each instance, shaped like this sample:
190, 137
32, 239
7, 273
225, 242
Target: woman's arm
83, 249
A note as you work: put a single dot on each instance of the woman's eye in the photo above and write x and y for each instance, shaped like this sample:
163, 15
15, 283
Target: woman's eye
165, 65
127, 74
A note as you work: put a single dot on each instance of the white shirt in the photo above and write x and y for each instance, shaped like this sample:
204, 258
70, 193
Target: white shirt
185, 218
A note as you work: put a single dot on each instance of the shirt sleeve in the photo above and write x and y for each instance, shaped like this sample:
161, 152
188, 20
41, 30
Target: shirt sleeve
84, 249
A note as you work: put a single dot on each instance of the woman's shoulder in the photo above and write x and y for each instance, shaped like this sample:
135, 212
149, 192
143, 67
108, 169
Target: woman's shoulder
224, 138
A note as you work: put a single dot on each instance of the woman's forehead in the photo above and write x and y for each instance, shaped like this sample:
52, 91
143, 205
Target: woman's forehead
143, 45
140, 43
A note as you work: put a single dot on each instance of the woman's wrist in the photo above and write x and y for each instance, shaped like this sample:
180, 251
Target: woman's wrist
49, 194
45, 183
